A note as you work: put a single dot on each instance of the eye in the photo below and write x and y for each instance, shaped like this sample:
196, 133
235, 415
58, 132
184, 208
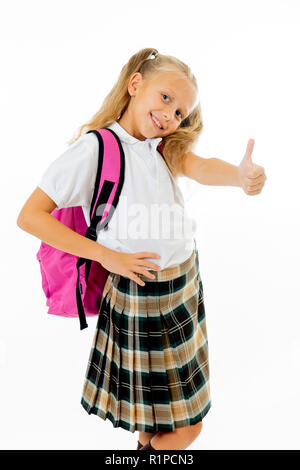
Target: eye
163, 94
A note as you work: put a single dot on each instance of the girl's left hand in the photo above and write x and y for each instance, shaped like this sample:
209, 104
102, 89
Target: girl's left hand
251, 177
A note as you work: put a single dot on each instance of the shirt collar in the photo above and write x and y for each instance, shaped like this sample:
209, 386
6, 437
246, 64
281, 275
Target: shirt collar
124, 136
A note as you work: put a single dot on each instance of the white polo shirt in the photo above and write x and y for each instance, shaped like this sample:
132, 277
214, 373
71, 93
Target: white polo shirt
150, 215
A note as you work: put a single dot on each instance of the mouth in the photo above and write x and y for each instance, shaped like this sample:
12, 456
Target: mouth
156, 122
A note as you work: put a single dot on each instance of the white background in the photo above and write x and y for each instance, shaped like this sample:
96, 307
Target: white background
59, 60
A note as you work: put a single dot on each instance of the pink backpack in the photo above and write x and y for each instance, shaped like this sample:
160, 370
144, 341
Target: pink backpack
74, 286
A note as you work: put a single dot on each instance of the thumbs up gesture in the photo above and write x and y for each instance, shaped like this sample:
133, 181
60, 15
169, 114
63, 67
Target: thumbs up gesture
251, 177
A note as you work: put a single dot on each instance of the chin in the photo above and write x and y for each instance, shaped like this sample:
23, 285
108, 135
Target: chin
147, 134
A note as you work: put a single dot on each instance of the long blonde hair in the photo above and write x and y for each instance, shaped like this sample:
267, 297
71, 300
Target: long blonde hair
175, 145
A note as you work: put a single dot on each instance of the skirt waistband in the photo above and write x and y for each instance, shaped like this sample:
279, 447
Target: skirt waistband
173, 271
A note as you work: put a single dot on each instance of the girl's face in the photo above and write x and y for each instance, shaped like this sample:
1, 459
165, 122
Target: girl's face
158, 105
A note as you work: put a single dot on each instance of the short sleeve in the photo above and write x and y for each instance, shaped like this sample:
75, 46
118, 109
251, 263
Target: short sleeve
70, 179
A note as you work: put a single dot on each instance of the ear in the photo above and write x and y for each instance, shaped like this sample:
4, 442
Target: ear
135, 81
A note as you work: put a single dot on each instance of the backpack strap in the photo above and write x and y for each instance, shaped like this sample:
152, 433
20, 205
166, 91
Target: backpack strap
108, 185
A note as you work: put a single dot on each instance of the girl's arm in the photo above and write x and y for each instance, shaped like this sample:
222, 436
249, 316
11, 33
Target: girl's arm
36, 219
213, 171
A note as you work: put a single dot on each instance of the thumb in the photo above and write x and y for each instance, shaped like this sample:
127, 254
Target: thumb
248, 154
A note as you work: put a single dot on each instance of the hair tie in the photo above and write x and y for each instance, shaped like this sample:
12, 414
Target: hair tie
151, 55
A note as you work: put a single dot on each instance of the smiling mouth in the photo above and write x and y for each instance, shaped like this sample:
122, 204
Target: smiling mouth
156, 126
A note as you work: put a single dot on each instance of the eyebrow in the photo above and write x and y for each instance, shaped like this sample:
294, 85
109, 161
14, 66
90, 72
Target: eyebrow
172, 93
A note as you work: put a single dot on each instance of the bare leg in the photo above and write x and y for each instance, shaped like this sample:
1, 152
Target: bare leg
179, 439
145, 437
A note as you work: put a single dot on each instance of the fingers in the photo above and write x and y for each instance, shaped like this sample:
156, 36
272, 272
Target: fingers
137, 280
258, 171
249, 150
250, 146
138, 266
144, 272
140, 270
252, 186
252, 189
253, 193
148, 264
258, 179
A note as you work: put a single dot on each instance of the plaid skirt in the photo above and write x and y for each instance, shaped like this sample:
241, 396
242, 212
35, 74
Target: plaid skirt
148, 368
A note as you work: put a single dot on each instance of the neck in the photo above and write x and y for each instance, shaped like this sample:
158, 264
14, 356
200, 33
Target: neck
127, 123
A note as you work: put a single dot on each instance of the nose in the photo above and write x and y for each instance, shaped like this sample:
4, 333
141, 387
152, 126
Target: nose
169, 111
167, 114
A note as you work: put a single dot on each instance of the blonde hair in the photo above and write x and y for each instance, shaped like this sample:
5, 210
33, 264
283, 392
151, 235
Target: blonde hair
175, 145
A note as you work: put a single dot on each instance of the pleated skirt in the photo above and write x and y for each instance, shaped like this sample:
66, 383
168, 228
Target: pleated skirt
148, 368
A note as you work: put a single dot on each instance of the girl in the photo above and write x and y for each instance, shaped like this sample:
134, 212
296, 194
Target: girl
148, 368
